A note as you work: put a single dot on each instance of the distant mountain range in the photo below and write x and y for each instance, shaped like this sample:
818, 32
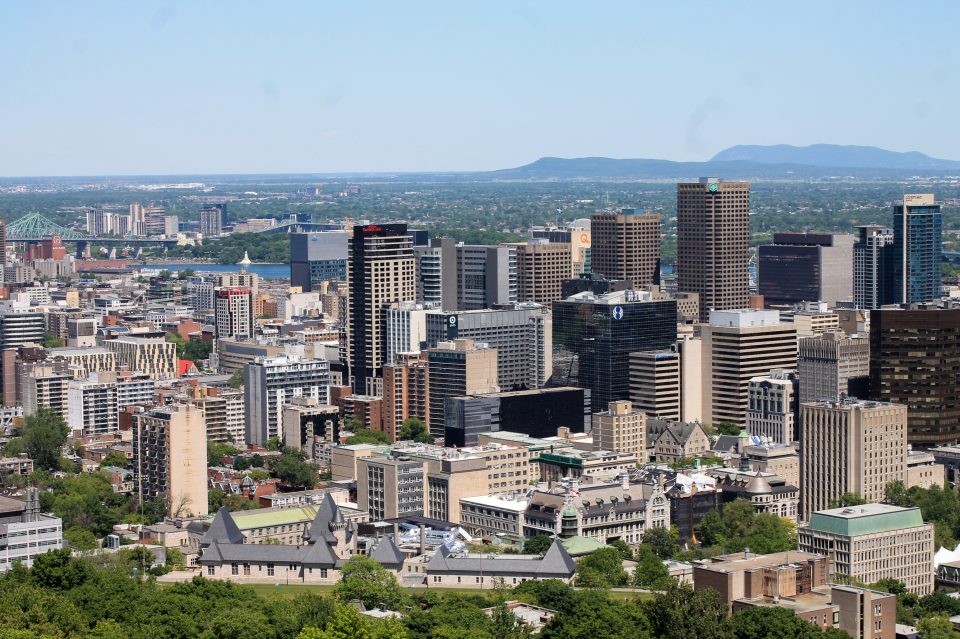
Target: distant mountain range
834, 155
779, 161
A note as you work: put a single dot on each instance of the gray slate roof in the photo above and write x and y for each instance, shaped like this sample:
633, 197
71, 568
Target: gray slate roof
320, 528
223, 530
313, 556
556, 563
388, 554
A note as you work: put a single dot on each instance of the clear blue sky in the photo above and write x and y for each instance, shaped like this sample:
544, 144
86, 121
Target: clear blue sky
140, 87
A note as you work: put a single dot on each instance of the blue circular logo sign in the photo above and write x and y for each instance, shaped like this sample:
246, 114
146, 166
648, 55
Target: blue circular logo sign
617, 312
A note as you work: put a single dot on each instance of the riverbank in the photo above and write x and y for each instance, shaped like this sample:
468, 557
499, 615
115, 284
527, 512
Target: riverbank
268, 271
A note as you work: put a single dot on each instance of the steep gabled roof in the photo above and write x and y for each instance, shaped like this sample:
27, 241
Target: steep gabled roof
439, 559
314, 555
388, 554
223, 530
557, 561
212, 553
319, 528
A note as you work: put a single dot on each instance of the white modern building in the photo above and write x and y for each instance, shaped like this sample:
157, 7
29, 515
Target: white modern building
25, 531
272, 382
92, 404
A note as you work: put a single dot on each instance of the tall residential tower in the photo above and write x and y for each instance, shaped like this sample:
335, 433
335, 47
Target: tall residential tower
380, 272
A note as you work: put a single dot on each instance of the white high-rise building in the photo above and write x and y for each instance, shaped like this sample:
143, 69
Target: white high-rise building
406, 328
272, 382
92, 404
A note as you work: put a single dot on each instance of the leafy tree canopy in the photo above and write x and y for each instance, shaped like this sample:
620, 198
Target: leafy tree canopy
537, 545
368, 436
44, 434
413, 429
365, 579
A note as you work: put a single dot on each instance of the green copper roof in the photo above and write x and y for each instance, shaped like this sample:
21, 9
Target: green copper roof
247, 520
864, 520
578, 545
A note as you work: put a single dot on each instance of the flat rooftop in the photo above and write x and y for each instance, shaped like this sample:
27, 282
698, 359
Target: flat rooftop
738, 562
495, 501
816, 599
864, 520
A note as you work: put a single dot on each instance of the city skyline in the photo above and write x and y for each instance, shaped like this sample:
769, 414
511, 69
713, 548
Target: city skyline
170, 88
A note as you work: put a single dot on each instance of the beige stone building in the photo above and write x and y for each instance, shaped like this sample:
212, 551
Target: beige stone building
84, 361
541, 268
170, 456
923, 471
813, 323
874, 542
800, 583
850, 446
833, 364
626, 245
681, 440
772, 406
780, 459
690, 349
655, 383
507, 467
343, 459
152, 355
390, 487
422, 479
623, 428
739, 345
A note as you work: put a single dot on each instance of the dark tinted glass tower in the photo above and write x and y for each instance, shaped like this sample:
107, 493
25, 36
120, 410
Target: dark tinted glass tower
918, 248
602, 331
915, 360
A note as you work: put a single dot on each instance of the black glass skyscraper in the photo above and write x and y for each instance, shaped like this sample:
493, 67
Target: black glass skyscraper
602, 331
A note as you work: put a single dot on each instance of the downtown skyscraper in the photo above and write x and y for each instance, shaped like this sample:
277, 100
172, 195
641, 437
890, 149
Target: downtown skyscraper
381, 270
713, 232
872, 267
917, 248
626, 245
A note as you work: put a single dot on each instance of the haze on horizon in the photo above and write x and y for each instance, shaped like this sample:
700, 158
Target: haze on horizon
115, 88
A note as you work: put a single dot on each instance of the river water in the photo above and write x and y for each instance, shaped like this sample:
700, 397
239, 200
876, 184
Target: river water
265, 271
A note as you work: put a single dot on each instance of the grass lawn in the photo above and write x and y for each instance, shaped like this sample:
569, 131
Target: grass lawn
271, 591
629, 596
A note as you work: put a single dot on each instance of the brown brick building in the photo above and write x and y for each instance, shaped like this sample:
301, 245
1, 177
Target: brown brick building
626, 245
799, 582
713, 231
